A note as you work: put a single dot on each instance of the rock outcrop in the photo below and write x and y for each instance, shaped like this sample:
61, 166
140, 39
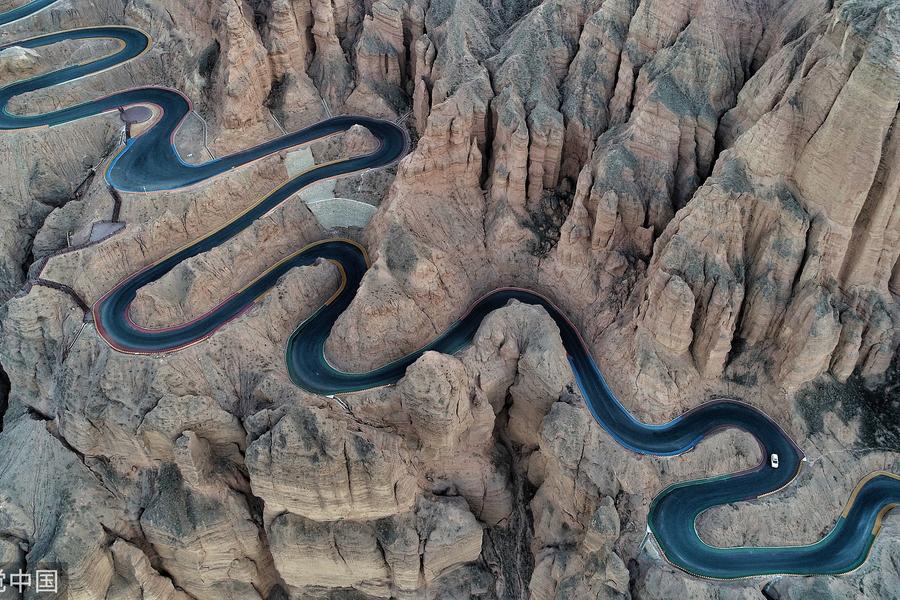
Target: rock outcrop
315, 467
782, 270
709, 190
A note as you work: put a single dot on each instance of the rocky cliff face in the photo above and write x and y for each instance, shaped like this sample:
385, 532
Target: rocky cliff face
709, 188
803, 267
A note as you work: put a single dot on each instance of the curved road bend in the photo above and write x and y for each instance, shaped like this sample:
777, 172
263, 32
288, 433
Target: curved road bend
150, 162
25, 10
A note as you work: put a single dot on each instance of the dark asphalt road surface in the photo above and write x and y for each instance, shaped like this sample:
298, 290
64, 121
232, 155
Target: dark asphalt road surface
150, 162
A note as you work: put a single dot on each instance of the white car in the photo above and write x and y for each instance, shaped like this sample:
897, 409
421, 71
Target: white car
773, 460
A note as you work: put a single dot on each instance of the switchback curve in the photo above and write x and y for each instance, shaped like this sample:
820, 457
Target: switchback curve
150, 162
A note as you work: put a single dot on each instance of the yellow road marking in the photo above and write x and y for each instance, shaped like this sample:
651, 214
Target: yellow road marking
860, 485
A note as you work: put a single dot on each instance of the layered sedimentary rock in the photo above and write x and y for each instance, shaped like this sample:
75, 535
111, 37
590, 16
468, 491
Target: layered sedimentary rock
51, 495
204, 538
135, 575
380, 558
782, 269
329, 68
381, 61
293, 98
625, 198
708, 188
314, 466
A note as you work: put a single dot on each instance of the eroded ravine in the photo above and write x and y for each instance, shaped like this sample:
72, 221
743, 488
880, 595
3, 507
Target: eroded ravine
150, 162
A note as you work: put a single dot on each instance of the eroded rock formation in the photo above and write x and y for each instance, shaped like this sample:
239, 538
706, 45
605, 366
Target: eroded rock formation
708, 188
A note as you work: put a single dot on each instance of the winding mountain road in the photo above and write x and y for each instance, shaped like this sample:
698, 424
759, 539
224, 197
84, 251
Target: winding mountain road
150, 162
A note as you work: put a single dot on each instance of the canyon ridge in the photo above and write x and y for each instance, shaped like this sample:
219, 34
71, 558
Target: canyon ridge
709, 189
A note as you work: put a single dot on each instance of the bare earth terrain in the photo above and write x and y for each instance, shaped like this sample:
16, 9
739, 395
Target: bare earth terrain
709, 188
